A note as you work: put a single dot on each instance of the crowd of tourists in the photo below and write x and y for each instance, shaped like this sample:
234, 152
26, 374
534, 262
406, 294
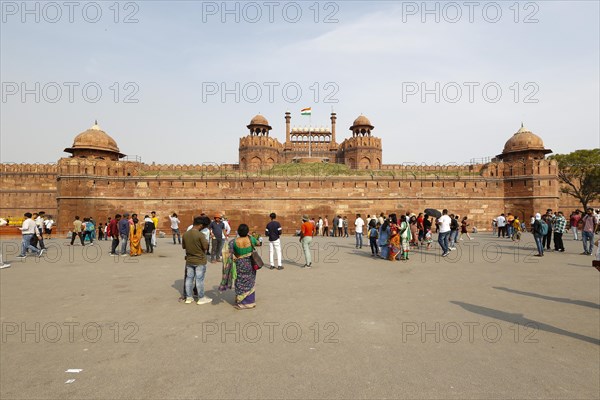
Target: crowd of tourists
550, 225
389, 237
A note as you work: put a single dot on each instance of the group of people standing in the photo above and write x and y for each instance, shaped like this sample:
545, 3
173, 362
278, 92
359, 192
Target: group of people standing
339, 227
545, 226
129, 228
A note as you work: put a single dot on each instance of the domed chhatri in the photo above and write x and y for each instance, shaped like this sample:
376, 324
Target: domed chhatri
259, 126
361, 126
95, 143
524, 144
362, 121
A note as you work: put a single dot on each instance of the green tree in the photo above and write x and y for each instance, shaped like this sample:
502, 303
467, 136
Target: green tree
580, 173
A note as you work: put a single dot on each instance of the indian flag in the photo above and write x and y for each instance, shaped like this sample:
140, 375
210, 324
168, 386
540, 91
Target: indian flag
306, 111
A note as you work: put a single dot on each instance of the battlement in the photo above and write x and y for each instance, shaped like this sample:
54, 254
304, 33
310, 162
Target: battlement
260, 141
17, 168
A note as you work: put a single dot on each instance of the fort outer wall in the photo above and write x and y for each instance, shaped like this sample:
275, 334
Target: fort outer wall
101, 189
27, 188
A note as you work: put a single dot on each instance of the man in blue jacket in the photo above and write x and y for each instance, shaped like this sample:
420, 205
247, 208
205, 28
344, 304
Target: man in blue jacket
124, 233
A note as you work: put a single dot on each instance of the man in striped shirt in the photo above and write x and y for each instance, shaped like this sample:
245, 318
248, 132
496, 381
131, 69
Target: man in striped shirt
560, 223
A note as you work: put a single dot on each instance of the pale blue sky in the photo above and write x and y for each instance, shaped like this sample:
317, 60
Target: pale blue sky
369, 55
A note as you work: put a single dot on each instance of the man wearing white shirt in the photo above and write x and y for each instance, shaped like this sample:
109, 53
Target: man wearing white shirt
175, 227
358, 227
501, 221
28, 230
49, 224
443, 223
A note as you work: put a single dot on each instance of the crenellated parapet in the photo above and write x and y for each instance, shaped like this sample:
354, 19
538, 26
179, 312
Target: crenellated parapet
16, 168
94, 167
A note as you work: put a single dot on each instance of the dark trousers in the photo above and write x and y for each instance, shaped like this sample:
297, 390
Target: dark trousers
558, 242
114, 245
148, 239
502, 230
374, 247
74, 235
35, 240
546, 240
100, 234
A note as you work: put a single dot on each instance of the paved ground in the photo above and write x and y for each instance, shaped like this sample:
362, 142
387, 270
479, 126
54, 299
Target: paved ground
490, 321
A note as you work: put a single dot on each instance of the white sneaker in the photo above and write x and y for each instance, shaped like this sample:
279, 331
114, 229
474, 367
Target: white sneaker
203, 300
4, 266
189, 300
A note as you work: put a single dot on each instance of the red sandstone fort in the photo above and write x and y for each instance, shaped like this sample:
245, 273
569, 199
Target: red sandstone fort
343, 179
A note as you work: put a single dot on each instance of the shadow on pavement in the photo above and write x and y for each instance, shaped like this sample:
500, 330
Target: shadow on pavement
521, 320
558, 299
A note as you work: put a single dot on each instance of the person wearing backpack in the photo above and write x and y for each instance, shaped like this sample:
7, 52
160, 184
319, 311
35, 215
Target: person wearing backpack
453, 231
540, 229
373, 236
147, 232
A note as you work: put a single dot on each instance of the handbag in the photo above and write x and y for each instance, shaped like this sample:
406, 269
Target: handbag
257, 262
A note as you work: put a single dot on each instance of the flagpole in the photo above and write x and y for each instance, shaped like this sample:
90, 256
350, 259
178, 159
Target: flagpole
309, 135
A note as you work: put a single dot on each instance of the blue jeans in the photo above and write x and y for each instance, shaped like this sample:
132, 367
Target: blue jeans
198, 271
509, 230
26, 245
176, 233
124, 239
538, 243
452, 238
588, 241
443, 240
359, 239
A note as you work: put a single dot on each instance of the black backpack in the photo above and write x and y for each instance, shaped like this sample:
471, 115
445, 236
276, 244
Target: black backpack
454, 224
148, 228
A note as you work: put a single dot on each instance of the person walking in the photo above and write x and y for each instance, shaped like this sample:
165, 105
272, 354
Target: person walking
358, 231
175, 227
195, 246
273, 232
464, 228
28, 230
443, 224
306, 236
